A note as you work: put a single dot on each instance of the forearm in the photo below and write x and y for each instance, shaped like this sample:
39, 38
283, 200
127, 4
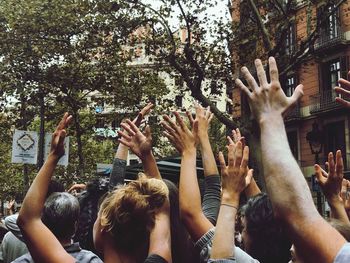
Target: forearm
208, 159
150, 166
252, 189
338, 211
284, 180
122, 152
189, 194
160, 237
34, 200
223, 242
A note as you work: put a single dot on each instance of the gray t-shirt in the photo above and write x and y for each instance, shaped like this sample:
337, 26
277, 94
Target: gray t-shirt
11, 248
81, 255
205, 243
343, 254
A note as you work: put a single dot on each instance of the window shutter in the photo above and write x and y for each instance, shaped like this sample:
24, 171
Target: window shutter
344, 67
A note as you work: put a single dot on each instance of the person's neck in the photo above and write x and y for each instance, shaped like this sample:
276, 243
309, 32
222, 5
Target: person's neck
113, 255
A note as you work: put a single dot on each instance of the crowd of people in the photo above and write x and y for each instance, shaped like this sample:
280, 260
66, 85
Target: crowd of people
153, 220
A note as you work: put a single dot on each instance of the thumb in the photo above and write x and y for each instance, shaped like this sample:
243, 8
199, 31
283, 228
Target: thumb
318, 173
297, 94
148, 133
249, 176
222, 162
195, 126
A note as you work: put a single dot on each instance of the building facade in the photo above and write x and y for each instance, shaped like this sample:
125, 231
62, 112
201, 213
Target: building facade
317, 114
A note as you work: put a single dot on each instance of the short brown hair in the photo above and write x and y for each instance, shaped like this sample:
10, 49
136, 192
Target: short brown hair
128, 213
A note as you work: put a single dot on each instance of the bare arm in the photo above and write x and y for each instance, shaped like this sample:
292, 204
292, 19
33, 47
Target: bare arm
286, 185
331, 185
189, 196
160, 237
40, 241
233, 183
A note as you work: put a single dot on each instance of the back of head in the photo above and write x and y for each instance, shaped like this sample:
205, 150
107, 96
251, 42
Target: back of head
182, 247
341, 227
268, 241
54, 187
60, 214
128, 213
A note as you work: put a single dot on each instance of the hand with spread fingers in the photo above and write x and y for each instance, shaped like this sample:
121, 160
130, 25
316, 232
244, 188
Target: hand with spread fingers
139, 143
235, 176
331, 182
178, 133
203, 117
145, 111
57, 141
344, 90
267, 98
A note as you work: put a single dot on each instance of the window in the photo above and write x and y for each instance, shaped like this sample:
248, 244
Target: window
229, 107
290, 85
291, 39
334, 70
331, 28
335, 139
293, 143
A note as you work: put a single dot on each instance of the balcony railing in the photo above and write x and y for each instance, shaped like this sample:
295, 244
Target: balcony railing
294, 114
323, 101
326, 40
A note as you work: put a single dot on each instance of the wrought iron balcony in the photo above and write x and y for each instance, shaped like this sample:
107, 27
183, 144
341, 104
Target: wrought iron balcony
328, 39
294, 114
324, 101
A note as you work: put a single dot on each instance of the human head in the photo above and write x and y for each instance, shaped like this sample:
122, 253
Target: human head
54, 187
60, 214
127, 215
263, 235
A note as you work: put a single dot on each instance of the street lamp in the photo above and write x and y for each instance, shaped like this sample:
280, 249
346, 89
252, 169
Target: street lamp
315, 138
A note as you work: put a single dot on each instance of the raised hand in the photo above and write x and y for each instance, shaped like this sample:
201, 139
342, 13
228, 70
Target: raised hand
139, 143
331, 182
235, 176
344, 91
178, 133
145, 110
57, 141
203, 117
267, 98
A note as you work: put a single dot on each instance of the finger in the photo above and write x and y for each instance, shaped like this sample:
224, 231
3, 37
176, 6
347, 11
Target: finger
339, 166
210, 117
168, 128
249, 78
245, 159
231, 156
238, 154
243, 88
190, 117
249, 177
62, 124
229, 140
170, 123
222, 162
260, 72
61, 137
344, 83
343, 102
342, 91
125, 142
297, 94
207, 113
124, 135
235, 136
331, 165
242, 140
326, 164
127, 128
273, 69
132, 126
148, 133
169, 136
238, 132
68, 120
318, 173
180, 121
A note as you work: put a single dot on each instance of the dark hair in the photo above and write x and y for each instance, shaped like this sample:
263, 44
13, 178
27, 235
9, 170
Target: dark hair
182, 247
269, 242
89, 202
60, 214
54, 187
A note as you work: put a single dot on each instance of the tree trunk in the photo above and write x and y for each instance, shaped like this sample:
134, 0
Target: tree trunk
79, 133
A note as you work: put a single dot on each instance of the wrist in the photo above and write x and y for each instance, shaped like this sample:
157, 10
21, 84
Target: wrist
53, 157
271, 117
189, 151
230, 198
146, 155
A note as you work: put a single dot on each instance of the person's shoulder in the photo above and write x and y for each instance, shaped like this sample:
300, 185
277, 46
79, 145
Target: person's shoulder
242, 256
87, 256
26, 258
343, 254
